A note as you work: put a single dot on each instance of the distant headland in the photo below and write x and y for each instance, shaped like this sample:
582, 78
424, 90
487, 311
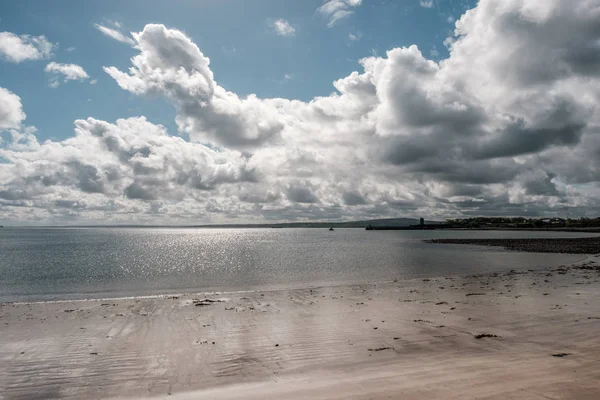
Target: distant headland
475, 223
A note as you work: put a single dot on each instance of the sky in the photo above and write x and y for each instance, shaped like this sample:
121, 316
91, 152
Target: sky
206, 111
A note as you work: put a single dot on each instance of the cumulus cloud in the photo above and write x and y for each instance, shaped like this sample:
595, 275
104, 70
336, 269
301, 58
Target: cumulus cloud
335, 10
508, 124
282, 27
11, 110
68, 72
106, 164
19, 48
169, 63
426, 3
115, 33
301, 194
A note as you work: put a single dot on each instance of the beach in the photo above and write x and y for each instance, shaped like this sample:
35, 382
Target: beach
521, 334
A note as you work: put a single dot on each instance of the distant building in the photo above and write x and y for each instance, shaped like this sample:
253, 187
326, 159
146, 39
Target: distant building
422, 221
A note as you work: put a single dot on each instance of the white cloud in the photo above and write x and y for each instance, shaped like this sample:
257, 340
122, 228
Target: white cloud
107, 168
70, 49
24, 139
11, 110
170, 63
426, 3
21, 48
401, 135
115, 33
353, 37
69, 72
336, 10
282, 27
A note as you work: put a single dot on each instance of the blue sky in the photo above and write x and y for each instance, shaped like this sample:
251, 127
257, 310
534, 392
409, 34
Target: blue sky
246, 55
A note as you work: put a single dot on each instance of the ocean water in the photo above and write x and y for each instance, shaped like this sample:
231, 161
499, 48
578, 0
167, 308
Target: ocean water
74, 263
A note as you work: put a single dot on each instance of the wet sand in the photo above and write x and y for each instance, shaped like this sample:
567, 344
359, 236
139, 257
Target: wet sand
513, 335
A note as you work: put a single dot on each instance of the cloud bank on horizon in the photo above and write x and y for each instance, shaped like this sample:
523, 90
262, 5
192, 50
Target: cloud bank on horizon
508, 124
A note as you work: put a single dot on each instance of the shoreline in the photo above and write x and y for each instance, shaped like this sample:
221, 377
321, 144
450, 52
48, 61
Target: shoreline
416, 338
275, 288
583, 245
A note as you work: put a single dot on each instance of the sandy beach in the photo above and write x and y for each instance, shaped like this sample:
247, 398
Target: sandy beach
515, 335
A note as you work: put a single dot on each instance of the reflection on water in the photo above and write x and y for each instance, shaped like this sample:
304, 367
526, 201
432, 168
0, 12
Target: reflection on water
41, 264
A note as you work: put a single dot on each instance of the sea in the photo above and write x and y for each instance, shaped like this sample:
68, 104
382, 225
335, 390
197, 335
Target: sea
48, 264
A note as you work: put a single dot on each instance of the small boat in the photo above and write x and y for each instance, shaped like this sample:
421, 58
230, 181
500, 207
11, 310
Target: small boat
331, 229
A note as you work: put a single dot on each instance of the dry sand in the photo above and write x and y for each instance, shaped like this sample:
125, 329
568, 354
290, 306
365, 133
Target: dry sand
408, 340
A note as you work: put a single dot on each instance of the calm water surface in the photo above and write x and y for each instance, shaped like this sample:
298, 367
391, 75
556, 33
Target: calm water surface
71, 263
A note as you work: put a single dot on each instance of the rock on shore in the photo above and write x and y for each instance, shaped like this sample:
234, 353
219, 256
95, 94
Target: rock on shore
588, 245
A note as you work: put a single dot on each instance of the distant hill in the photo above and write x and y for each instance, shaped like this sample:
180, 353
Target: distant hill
389, 222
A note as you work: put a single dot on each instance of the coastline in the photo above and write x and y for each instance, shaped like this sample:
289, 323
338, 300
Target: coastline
415, 338
583, 245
